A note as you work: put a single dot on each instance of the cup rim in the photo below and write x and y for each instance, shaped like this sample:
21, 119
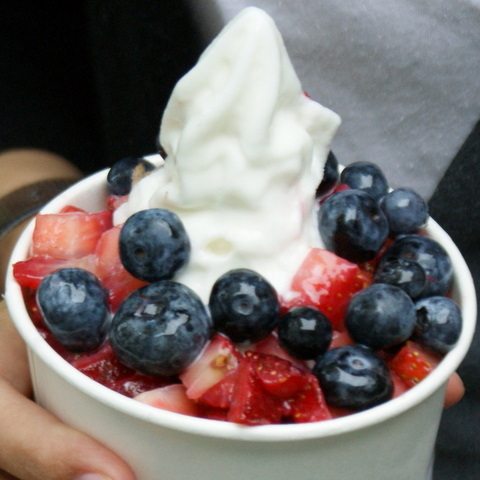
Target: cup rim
465, 296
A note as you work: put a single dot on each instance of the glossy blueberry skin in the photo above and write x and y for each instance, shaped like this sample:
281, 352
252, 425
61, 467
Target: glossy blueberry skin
431, 256
154, 244
352, 225
121, 174
406, 274
304, 332
405, 209
353, 377
365, 176
244, 306
74, 306
439, 323
331, 175
160, 329
380, 316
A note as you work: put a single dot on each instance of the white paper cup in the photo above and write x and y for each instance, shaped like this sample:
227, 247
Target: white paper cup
394, 440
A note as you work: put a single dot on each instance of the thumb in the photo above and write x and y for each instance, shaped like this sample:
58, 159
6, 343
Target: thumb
34, 445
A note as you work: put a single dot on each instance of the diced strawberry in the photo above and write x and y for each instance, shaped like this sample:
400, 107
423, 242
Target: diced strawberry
29, 273
172, 398
327, 282
220, 394
114, 201
118, 281
340, 339
219, 414
339, 187
251, 403
102, 365
308, 405
278, 376
412, 363
69, 235
219, 358
271, 346
71, 209
138, 383
399, 386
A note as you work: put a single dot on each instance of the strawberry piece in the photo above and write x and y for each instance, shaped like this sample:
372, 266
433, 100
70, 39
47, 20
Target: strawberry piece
221, 393
110, 270
219, 358
278, 376
340, 339
327, 282
412, 363
138, 383
115, 201
172, 398
29, 273
251, 403
271, 346
69, 235
102, 365
308, 405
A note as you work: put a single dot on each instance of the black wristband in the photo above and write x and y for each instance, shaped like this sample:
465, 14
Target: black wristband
25, 202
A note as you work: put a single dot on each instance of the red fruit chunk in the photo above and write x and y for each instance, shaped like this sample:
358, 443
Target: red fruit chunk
219, 358
412, 363
110, 270
251, 403
171, 398
308, 405
278, 376
271, 346
102, 366
69, 235
327, 282
114, 201
221, 393
31, 272
138, 383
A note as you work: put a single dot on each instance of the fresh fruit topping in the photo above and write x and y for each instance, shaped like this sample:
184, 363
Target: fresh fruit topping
331, 176
365, 176
138, 383
352, 225
430, 255
244, 306
353, 377
124, 172
171, 398
69, 235
160, 329
405, 209
309, 405
412, 363
74, 306
403, 273
110, 270
278, 376
154, 244
381, 316
327, 282
439, 323
252, 404
304, 332
219, 358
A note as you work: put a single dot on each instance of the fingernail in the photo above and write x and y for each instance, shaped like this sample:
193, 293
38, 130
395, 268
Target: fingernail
92, 476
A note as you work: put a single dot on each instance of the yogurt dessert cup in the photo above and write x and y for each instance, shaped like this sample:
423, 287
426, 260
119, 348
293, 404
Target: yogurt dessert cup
394, 439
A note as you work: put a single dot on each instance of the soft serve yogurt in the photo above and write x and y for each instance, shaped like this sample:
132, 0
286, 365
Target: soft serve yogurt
245, 153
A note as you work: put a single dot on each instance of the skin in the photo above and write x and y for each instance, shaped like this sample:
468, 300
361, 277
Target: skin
34, 445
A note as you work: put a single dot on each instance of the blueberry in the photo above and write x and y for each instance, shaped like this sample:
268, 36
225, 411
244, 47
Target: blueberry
405, 209
154, 244
380, 316
406, 274
352, 225
160, 329
353, 377
74, 307
244, 306
331, 175
430, 255
120, 177
365, 176
304, 332
439, 323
